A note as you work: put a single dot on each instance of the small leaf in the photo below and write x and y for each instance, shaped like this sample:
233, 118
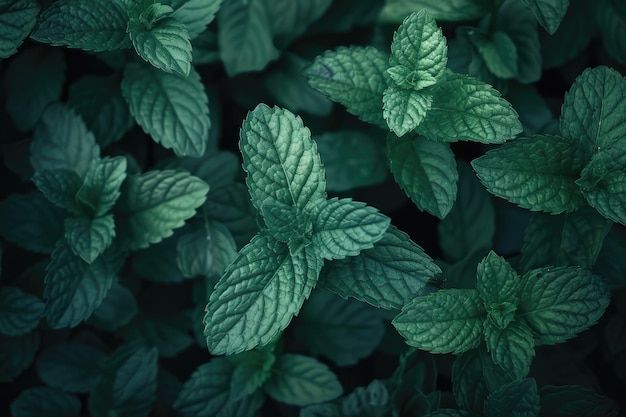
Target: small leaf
101, 187
404, 109
512, 348
44, 401
20, 311
497, 282
195, 14
516, 399
17, 19
89, 238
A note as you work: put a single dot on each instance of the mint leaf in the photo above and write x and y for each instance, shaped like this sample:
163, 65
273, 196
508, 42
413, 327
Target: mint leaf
182, 122
300, 380
516, 399
59, 186
404, 109
19, 311
446, 321
168, 335
573, 400
89, 238
280, 159
17, 19
252, 369
499, 53
70, 366
101, 187
344, 331
117, 310
426, 171
91, 25
512, 347
38, 401
354, 77
154, 204
195, 14
537, 173
593, 109
610, 20
452, 10
206, 251
285, 222
17, 354
549, 13
231, 206
387, 276
241, 313
559, 302
496, 280
342, 227
467, 109
291, 18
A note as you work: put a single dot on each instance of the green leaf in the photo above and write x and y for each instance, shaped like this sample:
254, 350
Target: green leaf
206, 251
614, 245
603, 183
98, 100
499, 53
426, 171
574, 31
470, 224
354, 77
342, 227
219, 169
286, 223
156, 263
20, 311
448, 412
446, 321
245, 38
117, 310
537, 173
251, 371
31, 222
574, 401
465, 108
70, 366
44, 401
345, 331
387, 276
566, 240
101, 187
300, 380
516, 399
419, 45
91, 25
59, 186
154, 204
451, 10
559, 302
207, 393
62, 141
195, 14
17, 354
17, 19
33, 80
242, 312
593, 110
497, 282
280, 159
290, 18
231, 206
89, 238
173, 110
73, 288
549, 13
610, 16
168, 335
404, 109
512, 347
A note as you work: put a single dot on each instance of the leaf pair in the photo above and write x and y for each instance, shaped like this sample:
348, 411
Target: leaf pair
273, 275
511, 314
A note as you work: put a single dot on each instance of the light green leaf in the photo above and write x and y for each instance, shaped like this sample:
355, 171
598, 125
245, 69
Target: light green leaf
353, 77
173, 110
345, 331
89, 238
252, 369
154, 204
610, 16
549, 13
33, 80
452, 10
70, 366
245, 37
101, 187
537, 173
62, 141
426, 171
512, 348
559, 302
465, 108
404, 109
300, 380
17, 19
73, 288
594, 108
446, 321
574, 401
499, 53
342, 227
496, 280
242, 312
20, 311
280, 159
516, 399
59, 186
44, 401
91, 25
387, 276
195, 14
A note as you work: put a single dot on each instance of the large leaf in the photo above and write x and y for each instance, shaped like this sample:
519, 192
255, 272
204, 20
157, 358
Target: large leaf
404, 109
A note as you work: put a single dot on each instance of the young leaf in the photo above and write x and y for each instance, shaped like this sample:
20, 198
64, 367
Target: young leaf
59, 186
404, 109
496, 280
549, 13
242, 313
516, 399
354, 77
537, 173
446, 321
154, 204
89, 238
426, 171
17, 19
70, 366
300, 380
512, 348
281, 160
91, 25
20, 311
173, 110
101, 187
559, 302
342, 227
44, 401
387, 276
467, 109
